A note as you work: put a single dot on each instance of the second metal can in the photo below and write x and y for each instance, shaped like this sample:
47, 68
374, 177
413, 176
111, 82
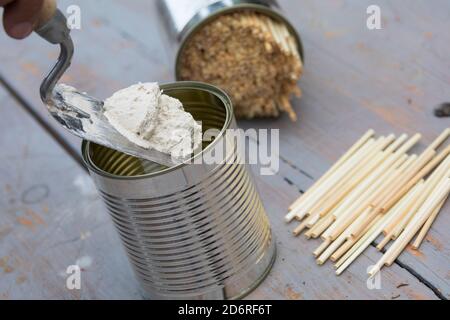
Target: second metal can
185, 17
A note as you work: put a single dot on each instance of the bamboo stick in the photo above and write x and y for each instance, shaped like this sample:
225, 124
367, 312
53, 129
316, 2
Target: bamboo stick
432, 180
371, 183
302, 226
410, 169
265, 24
362, 244
365, 220
376, 176
408, 199
292, 49
398, 188
268, 35
274, 33
359, 173
321, 248
415, 205
351, 242
401, 226
283, 41
309, 234
302, 211
356, 146
374, 187
409, 144
426, 227
438, 195
317, 225
373, 159
320, 228
421, 174
362, 223
343, 249
344, 170
429, 165
338, 242
407, 203
290, 41
422, 162
366, 203
396, 144
313, 219
347, 211
334, 245
440, 139
366, 240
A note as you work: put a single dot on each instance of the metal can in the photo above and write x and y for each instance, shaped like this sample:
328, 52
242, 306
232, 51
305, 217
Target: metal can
193, 231
185, 17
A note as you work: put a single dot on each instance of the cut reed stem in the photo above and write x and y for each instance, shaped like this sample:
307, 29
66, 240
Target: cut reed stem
370, 133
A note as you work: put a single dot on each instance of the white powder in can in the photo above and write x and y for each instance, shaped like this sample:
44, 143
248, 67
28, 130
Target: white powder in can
150, 119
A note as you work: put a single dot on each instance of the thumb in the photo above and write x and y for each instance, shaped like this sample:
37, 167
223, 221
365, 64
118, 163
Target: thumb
20, 17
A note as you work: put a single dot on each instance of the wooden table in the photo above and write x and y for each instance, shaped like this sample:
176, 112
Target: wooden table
388, 79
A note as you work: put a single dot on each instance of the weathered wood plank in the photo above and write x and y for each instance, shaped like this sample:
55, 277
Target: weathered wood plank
54, 218
389, 80
51, 218
355, 79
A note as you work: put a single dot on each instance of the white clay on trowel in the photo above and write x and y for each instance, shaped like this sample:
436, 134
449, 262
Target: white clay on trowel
150, 119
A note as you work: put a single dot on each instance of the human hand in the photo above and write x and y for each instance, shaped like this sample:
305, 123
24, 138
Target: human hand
20, 16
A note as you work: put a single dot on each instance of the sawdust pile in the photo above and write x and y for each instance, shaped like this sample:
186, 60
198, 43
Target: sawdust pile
252, 57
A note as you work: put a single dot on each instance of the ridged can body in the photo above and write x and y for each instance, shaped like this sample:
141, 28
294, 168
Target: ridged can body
194, 231
185, 17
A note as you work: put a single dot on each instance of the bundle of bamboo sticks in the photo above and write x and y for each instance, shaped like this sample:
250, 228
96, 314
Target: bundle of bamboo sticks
276, 32
375, 188
252, 56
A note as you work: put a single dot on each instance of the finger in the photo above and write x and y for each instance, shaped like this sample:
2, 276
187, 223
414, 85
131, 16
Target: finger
20, 17
5, 2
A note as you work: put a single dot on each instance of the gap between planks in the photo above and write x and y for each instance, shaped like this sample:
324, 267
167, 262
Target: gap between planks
415, 274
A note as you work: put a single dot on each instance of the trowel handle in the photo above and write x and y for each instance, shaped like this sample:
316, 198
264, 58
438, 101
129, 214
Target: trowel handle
47, 12
52, 26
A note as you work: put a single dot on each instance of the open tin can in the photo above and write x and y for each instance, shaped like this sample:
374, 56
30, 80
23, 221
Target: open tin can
193, 231
185, 17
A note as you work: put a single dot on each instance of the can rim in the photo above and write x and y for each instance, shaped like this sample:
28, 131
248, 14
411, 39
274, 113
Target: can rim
196, 23
219, 93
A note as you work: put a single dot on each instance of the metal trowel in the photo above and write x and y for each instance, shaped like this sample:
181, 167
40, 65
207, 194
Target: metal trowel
79, 113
